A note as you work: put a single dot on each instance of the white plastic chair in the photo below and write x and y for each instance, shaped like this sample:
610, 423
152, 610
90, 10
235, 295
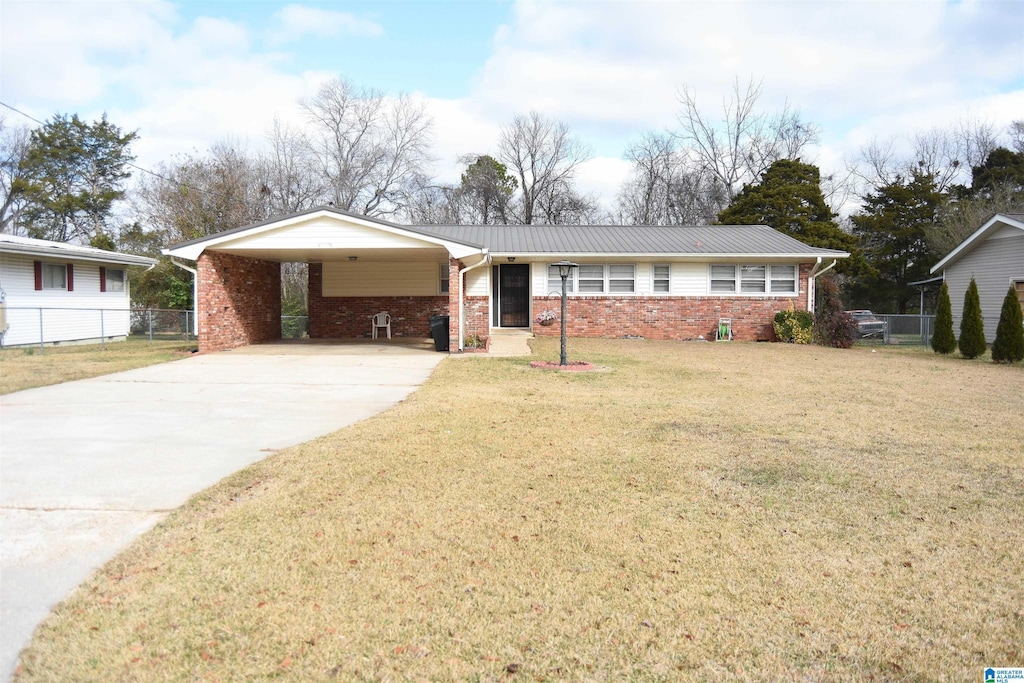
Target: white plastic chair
381, 320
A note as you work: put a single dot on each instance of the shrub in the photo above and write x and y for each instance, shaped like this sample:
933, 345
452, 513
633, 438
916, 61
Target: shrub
943, 340
793, 326
972, 328
832, 325
1009, 344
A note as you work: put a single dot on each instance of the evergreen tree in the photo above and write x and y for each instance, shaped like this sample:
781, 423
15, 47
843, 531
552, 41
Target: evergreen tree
1009, 344
893, 229
488, 188
943, 340
972, 327
789, 199
71, 176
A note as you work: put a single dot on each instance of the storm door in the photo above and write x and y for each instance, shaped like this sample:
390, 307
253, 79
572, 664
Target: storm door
512, 295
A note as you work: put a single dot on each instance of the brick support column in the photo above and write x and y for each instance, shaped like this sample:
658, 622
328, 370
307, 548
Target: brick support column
239, 301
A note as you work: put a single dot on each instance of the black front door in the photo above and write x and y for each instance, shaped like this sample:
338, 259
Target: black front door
513, 300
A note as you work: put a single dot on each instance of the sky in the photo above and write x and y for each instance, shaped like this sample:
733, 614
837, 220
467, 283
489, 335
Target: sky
187, 74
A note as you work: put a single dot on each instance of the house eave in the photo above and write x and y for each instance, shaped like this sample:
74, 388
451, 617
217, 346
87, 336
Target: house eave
72, 255
969, 243
676, 256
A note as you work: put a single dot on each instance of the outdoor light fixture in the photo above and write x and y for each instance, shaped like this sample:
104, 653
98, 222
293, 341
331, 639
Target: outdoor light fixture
511, 259
564, 270
352, 258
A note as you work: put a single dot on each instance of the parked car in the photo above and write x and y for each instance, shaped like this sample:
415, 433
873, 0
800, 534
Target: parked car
868, 324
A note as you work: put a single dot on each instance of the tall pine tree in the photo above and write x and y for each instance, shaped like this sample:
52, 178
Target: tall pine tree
972, 327
1009, 344
943, 340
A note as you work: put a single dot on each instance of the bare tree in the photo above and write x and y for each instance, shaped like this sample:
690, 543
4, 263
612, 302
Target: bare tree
743, 143
288, 172
14, 143
371, 149
544, 157
1016, 132
946, 154
669, 186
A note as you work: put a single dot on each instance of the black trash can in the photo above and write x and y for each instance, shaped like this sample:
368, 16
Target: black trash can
439, 331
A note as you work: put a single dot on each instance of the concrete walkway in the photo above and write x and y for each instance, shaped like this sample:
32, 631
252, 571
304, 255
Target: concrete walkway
88, 466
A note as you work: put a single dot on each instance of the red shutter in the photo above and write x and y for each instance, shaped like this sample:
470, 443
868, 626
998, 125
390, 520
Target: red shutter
71, 278
103, 279
38, 265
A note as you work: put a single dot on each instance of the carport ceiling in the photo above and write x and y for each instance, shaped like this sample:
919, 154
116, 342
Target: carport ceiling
438, 254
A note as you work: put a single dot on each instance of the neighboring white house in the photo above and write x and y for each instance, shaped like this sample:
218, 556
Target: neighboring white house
994, 257
53, 292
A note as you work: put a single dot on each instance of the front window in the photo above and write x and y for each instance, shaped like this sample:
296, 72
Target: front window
783, 279
55, 276
115, 280
621, 278
752, 279
662, 277
442, 275
723, 279
555, 282
591, 278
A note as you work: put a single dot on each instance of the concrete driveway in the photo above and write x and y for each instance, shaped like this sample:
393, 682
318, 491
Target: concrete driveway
88, 466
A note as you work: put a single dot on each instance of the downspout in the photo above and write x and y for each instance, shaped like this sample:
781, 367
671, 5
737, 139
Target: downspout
486, 260
811, 279
195, 294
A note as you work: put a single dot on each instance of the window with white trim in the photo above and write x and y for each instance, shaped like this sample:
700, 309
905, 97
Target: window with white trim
591, 278
662, 278
723, 279
754, 279
55, 276
115, 280
621, 278
442, 274
555, 282
783, 279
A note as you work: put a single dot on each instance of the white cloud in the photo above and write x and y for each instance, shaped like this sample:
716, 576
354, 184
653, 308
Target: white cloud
299, 21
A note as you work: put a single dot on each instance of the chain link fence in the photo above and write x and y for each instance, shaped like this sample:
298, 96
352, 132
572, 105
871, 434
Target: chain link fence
903, 330
50, 326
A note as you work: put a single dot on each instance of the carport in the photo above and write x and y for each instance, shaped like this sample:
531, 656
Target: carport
357, 267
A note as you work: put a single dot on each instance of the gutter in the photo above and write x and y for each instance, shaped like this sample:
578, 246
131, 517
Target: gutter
486, 260
812, 278
195, 294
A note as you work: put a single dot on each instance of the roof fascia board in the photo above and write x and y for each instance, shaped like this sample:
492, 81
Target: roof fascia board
192, 250
664, 255
57, 253
968, 243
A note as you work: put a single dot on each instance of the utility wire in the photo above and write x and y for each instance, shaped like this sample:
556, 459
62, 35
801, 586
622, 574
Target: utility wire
128, 163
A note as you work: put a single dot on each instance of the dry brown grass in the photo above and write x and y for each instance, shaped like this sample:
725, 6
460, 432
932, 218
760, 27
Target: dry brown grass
696, 512
28, 367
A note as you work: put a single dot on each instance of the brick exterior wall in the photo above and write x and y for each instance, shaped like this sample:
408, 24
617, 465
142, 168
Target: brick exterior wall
656, 317
453, 304
348, 317
239, 301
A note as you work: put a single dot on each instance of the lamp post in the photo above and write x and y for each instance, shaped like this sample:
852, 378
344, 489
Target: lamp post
564, 269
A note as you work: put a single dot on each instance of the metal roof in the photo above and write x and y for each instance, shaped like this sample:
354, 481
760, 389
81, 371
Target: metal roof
582, 240
701, 240
33, 247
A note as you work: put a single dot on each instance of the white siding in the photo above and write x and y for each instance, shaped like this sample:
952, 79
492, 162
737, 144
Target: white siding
67, 316
478, 281
992, 264
327, 233
689, 279
368, 278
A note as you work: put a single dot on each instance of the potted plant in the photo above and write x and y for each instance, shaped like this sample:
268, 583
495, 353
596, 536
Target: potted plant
547, 318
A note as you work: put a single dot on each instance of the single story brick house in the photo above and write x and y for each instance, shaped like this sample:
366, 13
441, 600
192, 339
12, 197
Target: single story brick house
994, 256
58, 293
667, 282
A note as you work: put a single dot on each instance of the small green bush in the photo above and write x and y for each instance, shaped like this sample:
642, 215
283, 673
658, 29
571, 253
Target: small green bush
972, 327
793, 326
1009, 344
943, 340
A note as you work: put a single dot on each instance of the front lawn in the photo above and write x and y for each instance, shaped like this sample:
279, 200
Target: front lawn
28, 366
692, 512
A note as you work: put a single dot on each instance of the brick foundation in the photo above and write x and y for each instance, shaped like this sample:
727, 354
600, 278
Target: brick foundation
239, 301
348, 317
